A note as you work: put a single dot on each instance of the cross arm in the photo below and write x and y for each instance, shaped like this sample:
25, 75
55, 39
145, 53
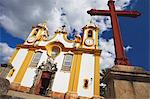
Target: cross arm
99, 12
128, 13
108, 13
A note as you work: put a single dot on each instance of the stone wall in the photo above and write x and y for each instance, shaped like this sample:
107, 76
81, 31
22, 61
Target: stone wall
4, 70
127, 82
4, 86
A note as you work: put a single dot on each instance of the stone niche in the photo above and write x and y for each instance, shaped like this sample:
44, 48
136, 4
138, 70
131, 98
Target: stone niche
127, 82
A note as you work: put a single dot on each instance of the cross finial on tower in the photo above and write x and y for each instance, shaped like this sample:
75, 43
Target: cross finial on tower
63, 27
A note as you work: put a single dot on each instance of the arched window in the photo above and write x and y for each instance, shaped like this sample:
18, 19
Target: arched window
90, 33
67, 62
55, 51
35, 59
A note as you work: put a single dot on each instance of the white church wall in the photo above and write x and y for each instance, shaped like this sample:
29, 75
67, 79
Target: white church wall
86, 72
28, 77
61, 79
30, 73
17, 62
43, 43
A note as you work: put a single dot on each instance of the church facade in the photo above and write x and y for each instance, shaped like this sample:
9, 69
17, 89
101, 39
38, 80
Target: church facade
58, 67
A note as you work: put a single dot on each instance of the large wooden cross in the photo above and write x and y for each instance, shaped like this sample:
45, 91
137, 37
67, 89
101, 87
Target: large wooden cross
120, 59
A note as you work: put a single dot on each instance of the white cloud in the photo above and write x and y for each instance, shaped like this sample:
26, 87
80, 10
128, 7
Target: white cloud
5, 52
127, 48
18, 16
108, 53
122, 4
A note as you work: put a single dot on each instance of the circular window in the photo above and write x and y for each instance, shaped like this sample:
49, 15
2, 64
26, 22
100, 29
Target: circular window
55, 51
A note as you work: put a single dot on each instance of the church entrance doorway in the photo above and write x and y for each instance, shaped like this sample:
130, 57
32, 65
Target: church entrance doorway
44, 82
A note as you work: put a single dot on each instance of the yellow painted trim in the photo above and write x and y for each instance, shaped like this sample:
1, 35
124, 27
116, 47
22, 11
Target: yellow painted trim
49, 48
75, 71
96, 39
60, 50
72, 73
38, 36
53, 37
65, 38
97, 75
14, 55
24, 67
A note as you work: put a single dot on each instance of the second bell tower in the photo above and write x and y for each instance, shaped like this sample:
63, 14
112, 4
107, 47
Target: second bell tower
90, 36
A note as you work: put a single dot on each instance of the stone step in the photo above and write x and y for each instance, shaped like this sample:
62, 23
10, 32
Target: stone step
26, 95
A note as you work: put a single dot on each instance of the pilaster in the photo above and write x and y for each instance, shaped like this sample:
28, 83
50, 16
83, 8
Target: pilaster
74, 76
97, 75
24, 66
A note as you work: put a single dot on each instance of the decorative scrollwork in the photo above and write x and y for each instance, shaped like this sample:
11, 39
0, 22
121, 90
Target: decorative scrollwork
49, 65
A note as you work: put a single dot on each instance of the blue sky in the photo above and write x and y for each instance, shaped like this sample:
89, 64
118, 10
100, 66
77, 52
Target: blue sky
135, 33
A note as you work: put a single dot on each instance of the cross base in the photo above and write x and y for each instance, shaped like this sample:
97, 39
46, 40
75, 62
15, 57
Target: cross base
121, 61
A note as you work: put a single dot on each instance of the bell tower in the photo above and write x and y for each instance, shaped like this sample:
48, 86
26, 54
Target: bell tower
38, 33
90, 36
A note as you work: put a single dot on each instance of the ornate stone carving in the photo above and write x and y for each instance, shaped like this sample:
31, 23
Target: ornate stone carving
50, 67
